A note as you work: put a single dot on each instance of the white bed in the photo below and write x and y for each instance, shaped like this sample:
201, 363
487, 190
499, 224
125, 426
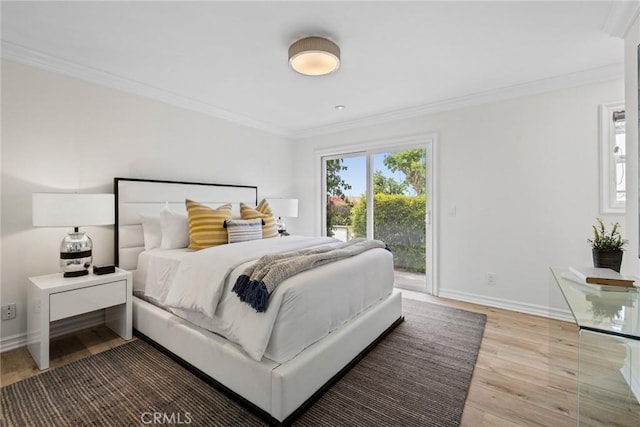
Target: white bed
296, 368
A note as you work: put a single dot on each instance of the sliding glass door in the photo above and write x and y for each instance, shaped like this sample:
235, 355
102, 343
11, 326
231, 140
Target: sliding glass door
382, 194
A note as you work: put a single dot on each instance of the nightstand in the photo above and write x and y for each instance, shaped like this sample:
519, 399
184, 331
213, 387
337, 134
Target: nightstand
54, 297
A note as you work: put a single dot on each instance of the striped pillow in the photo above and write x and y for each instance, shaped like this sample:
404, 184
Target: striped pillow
261, 211
243, 230
206, 225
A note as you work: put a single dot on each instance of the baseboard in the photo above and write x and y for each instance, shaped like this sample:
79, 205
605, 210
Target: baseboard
536, 310
58, 328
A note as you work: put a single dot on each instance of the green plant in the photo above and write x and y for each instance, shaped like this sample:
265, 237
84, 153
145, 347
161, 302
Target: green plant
604, 240
399, 222
605, 310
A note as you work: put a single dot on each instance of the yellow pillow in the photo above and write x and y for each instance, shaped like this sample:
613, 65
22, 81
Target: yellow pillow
261, 211
206, 225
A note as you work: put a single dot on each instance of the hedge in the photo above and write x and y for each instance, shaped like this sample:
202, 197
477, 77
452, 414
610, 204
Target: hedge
399, 222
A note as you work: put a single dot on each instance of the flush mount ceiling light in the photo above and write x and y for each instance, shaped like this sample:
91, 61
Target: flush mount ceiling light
314, 56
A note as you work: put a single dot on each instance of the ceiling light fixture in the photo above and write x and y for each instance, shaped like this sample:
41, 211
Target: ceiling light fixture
314, 56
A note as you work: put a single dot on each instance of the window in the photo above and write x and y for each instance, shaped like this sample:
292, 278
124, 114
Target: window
612, 158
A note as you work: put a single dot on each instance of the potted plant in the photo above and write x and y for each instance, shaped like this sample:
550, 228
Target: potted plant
603, 310
607, 246
608, 309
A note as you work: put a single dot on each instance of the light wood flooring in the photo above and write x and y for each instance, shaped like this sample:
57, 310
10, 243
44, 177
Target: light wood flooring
525, 374
16, 365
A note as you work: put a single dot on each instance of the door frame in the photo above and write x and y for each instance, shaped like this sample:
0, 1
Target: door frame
426, 141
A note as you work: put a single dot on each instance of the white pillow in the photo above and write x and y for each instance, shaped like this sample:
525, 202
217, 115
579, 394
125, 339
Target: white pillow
175, 229
151, 231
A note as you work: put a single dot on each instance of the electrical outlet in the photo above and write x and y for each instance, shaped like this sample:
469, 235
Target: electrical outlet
9, 311
491, 279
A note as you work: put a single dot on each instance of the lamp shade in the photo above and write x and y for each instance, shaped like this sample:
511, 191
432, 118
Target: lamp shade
72, 209
314, 56
287, 208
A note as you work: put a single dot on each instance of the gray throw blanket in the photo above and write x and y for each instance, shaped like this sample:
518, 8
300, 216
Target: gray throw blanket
257, 282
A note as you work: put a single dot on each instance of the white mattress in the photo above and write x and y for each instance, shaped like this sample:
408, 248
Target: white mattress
321, 299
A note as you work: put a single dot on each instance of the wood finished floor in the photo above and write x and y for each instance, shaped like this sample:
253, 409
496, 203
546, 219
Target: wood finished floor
525, 374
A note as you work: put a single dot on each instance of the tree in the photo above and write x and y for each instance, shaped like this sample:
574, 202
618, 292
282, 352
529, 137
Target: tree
387, 185
341, 213
335, 184
336, 187
412, 163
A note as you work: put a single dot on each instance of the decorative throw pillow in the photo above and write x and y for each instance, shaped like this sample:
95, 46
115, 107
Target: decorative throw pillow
243, 230
206, 225
261, 211
151, 231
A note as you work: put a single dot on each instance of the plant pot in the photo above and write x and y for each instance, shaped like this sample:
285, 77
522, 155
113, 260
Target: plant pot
607, 259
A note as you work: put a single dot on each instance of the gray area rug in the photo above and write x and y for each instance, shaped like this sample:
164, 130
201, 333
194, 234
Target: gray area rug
419, 375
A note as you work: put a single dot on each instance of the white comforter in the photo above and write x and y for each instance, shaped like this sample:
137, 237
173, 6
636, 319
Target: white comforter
201, 277
201, 292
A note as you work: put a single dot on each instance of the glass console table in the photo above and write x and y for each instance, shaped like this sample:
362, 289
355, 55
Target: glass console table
609, 353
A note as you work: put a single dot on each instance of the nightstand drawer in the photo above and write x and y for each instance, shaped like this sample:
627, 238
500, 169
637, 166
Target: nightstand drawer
84, 300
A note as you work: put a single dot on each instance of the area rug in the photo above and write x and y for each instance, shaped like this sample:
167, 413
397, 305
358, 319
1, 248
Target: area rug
419, 375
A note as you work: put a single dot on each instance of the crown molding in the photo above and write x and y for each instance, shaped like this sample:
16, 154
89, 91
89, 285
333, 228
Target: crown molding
596, 75
621, 16
23, 55
36, 59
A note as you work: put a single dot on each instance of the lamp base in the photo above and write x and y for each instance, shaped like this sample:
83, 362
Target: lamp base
75, 254
76, 273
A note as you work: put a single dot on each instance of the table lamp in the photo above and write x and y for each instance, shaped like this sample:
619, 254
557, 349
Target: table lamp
73, 210
287, 208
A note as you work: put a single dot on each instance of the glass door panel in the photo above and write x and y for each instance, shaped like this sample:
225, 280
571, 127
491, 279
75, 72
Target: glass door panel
399, 212
346, 186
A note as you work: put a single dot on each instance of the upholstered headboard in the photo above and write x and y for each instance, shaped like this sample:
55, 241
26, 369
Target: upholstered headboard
145, 196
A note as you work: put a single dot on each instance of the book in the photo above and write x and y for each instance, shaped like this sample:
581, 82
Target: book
596, 288
601, 276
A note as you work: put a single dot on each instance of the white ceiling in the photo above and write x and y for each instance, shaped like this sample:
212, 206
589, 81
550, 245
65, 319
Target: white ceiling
229, 59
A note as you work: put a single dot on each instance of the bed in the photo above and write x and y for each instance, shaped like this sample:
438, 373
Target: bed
281, 372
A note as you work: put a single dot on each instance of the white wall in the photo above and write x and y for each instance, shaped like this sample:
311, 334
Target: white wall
631, 42
523, 175
62, 134
631, 134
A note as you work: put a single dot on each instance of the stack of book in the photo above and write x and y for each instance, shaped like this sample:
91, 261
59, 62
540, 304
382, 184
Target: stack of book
604, 279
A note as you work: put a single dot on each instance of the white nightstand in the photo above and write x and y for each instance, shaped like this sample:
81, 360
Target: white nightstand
54, 297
